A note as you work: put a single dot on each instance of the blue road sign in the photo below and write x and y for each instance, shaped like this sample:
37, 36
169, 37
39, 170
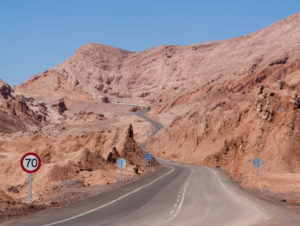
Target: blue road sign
121, 163
257, 162
148, 156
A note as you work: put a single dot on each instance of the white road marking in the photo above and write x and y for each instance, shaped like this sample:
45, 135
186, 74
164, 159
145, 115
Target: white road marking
171, 212
181, 202
245, 202
177, 200
111, 202
175, 205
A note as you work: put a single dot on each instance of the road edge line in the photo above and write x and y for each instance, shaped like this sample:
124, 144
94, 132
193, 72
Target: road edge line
111, 202
239, 198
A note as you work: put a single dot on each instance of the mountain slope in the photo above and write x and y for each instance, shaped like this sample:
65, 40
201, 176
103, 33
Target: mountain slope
223, 102
97, 70
18, 112
227, 123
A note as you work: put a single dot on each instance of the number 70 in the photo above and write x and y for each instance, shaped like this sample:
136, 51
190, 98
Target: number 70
34, 162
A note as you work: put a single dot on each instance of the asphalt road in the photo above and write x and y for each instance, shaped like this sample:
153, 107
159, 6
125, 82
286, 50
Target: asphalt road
179, 195
155, 124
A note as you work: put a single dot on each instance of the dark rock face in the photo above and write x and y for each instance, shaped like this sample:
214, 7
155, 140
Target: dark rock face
133, 153
5, 91
61, 106
113, 155
130, 132
13, 189
17, 110
105, 99
282, 60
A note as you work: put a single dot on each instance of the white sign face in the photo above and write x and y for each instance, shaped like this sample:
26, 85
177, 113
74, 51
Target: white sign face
30, 162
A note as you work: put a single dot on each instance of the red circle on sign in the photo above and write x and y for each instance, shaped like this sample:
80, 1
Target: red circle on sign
36, 169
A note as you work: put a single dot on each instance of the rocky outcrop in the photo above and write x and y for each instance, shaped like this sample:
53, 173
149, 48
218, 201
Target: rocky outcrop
5, 91
105, 99
89, 158
17, 110
113, 155
60, 106
227, 124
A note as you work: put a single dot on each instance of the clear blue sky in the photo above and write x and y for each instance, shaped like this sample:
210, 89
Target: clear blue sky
36, 35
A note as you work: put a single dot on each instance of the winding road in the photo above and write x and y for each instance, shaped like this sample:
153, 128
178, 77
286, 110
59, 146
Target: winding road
177, 195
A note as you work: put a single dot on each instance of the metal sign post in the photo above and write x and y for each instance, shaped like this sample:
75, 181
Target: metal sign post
148, 157
30, 163
257, 162
121, 163
30, 188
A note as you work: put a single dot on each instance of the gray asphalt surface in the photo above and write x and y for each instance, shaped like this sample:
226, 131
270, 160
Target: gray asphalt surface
156, 125
179, 195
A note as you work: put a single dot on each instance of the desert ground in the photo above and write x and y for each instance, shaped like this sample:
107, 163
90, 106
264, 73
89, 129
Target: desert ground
222, 103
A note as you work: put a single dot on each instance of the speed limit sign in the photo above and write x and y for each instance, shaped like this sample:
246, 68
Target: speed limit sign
30, 162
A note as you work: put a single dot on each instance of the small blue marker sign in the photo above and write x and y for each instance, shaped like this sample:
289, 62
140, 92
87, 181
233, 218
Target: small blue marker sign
148, 157
257, 162
121, 163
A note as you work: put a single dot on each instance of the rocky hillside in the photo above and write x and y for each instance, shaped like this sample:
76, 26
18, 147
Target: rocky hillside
222, 102
68, 163
18, 112
77, 143
228, 122
166, 71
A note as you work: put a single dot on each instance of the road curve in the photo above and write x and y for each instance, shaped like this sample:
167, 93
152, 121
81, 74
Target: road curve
155, 124
179, 195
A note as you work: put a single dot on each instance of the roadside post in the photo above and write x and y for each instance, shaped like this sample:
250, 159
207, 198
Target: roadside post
30, 163
257, 162
121, 163
148, 158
